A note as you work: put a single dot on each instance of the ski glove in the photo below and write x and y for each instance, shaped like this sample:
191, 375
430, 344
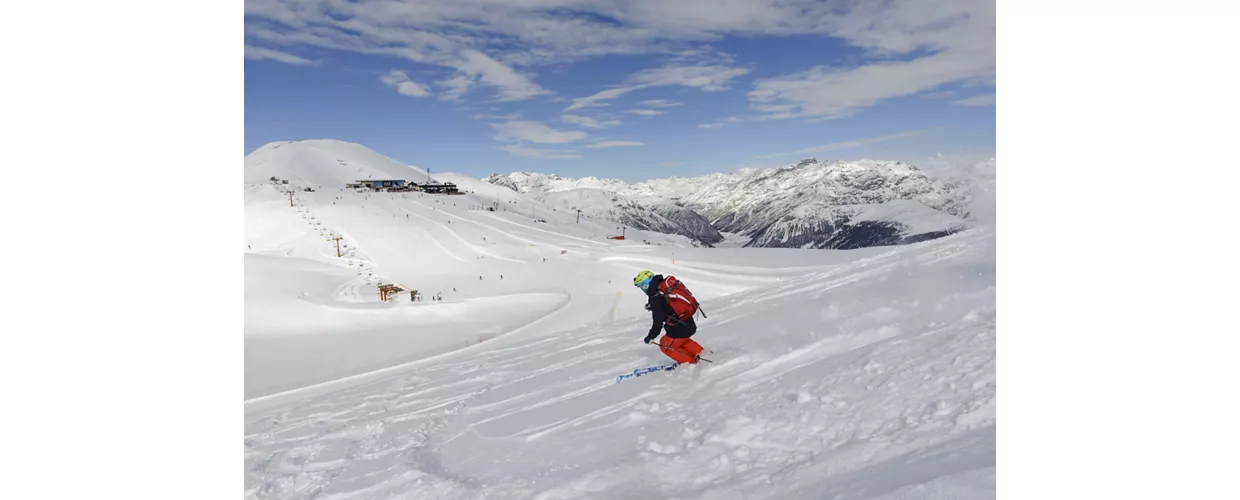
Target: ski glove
649, 338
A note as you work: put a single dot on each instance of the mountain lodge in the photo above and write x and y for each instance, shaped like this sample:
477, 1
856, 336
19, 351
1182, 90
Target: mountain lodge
402, 185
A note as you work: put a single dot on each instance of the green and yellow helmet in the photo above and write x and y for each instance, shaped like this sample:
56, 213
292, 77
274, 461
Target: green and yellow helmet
642, 279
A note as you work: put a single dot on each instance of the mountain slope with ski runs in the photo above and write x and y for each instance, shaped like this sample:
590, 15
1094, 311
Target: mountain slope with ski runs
810, 204
848, 374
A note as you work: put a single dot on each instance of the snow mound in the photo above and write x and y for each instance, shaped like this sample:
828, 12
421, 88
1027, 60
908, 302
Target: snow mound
323, 162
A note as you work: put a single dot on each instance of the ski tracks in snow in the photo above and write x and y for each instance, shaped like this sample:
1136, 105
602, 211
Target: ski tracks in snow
475, 248
877, 380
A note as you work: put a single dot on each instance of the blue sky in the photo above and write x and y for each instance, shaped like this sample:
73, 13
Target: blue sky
631, 89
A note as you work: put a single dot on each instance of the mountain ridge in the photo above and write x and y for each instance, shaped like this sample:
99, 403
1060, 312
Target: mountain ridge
808, 203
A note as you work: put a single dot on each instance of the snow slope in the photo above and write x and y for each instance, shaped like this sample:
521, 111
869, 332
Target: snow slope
852, 374
313, 317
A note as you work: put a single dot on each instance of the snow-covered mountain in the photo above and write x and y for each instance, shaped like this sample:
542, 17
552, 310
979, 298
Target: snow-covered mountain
602, 198
810, 204
323, 162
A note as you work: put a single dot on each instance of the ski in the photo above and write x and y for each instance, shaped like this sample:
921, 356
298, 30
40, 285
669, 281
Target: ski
637, 372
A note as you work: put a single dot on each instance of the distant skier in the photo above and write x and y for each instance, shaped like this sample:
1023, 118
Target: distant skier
671, 307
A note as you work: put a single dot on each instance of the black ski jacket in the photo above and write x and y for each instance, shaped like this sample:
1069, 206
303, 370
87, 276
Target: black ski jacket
661, 311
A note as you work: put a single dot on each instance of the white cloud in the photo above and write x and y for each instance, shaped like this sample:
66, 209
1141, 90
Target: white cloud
720, 123
388, 29
860, 142
259, 53
400, 81
942, 94
953, 41
588, 122
660, 103
709, 78
551, 154
957, 37
828, 92
707, 74
511, 86
537, 132
507, 117
645, 112
614, 144
847, 144
596, 100
456, 87
977, 100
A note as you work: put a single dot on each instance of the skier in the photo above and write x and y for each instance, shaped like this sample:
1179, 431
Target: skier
671, 307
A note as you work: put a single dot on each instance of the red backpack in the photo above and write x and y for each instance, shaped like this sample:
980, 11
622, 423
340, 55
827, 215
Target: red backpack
679, 298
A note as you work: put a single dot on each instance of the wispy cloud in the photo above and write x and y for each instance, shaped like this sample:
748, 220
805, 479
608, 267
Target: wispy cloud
506, 117
455, 87
709, 78
720, 123
977, 100
518, 132
477, 67
942, 94
588, 122
834, 146
829, 92
957, 38
550, 154
861, 142
259, 53
614, 144
596, 100
660, 103
536, 132
499, 44
404, 86
644, 112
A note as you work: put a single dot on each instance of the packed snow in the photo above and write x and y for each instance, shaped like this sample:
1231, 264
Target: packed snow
853, 374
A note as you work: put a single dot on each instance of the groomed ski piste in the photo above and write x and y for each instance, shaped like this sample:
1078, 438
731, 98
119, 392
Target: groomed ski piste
837, 374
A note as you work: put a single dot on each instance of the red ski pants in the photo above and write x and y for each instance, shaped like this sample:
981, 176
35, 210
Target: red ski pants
677, 349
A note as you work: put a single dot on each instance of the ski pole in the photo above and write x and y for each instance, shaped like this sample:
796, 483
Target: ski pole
700, 358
